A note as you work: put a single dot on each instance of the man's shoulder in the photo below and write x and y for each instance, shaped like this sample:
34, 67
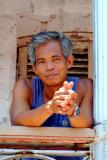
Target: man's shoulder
23, 81
23, 84
85, 83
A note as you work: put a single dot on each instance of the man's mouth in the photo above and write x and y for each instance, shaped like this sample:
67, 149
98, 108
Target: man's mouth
51, 75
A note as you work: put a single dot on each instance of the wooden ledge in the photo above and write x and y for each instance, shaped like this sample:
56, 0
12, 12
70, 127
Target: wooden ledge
45, 136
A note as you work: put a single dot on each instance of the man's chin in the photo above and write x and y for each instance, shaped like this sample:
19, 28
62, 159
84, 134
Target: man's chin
52, 83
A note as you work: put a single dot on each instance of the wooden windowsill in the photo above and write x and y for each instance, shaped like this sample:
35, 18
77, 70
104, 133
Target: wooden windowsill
44, 136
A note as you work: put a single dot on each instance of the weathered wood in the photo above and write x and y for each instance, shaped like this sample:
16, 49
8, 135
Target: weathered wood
23, 62
81, 41
44, 136
90, 60
23, 41
76, 36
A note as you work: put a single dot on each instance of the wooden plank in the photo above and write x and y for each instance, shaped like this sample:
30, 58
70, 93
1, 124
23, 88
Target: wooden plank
76, 36
23, 41
46, 131
45, 136
80, 36
23, 62
90, 60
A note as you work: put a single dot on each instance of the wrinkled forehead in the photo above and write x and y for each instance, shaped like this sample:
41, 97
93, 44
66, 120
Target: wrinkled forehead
49, 43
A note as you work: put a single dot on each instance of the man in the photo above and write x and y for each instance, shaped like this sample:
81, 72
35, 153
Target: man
52, 98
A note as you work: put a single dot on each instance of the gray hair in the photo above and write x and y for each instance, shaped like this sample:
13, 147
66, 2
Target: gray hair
44, 37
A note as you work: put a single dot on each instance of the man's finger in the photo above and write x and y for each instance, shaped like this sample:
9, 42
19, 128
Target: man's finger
66, 85
71, 84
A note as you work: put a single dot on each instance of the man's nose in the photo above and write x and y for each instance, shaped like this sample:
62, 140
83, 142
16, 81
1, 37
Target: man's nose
50, 66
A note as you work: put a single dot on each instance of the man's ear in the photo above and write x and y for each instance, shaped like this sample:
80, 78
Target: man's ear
70, 60
34, 69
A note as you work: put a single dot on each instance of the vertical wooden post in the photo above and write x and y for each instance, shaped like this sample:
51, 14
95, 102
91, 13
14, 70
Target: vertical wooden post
23, 62
90, 59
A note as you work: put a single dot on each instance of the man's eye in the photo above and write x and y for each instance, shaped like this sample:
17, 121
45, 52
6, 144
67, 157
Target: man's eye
56, 59
41, 62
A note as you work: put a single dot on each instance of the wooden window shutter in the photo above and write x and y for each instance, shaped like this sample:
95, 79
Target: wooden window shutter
80, 52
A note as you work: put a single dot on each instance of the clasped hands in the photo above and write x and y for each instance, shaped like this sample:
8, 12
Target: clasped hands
64, 99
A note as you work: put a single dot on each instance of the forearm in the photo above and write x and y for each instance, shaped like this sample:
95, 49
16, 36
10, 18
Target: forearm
34, 117
81, 121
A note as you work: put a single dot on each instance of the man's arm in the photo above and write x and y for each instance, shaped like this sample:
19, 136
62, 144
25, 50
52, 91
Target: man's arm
85, 118
20, 112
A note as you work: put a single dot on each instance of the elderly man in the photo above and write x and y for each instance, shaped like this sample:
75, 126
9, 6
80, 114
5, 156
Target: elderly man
52, 98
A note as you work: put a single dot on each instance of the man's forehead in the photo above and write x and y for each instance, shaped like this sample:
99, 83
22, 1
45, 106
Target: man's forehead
49, 44
52, 48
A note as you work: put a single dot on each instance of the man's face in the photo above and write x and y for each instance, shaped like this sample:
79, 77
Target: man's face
51, 65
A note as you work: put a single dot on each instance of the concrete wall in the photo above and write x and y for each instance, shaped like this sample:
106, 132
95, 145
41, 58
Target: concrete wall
20, 18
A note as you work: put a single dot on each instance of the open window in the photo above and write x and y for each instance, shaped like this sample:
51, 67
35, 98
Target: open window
82, 40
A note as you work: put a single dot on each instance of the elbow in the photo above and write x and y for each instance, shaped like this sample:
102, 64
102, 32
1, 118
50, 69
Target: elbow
83, 124
88, 124
16, 119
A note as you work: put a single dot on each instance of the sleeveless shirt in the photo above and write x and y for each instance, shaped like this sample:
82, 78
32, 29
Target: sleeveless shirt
56, 120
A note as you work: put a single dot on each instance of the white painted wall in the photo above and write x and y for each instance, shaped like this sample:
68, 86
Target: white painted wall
100, 60
100, 79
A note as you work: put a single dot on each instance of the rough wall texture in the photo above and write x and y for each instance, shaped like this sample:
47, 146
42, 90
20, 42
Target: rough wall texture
20, 18
7, 63
33, 15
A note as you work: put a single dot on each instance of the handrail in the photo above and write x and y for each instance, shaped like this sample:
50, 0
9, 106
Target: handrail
25, 141
45, 135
